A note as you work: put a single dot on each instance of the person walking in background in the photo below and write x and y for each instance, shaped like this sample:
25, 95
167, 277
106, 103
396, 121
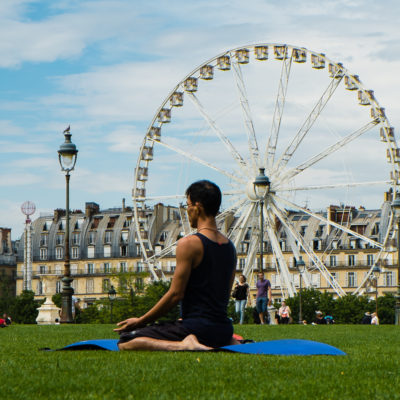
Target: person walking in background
264, 296
241, 294
284, 313
374, 319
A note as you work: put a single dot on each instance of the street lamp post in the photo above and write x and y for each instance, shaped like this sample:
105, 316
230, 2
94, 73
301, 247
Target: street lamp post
374, 277
396, 212
112, 294
67, 155
261, 188
301, 265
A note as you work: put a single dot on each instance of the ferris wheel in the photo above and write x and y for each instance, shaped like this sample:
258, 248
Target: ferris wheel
320, 135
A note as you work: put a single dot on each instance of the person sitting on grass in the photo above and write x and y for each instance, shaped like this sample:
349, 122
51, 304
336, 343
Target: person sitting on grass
319, 318
202, 282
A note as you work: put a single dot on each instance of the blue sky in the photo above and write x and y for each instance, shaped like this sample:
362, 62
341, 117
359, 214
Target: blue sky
104, 67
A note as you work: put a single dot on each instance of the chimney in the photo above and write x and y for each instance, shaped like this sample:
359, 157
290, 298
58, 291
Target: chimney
123, 204
91, 209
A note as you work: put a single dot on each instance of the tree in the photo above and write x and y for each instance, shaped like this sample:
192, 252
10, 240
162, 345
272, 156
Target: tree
350, 309
7, 296
386, 306
25, 308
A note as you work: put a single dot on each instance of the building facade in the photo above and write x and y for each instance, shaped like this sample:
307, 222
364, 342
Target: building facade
105, 248
8, 263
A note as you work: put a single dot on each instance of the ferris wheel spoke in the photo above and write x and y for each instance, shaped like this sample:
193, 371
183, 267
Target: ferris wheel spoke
198, 160
283, 268
248, 120
307, 248
382, 255
170, 197
278, 112
240, 227
333, 186
232, 209
234, 153
328, 222
252, 250
308, 123
329, 150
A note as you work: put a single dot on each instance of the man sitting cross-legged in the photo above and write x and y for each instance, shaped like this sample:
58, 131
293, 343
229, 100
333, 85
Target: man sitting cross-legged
202, 282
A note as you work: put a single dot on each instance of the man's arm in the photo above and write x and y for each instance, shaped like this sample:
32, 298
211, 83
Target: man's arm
269, 294
187, 252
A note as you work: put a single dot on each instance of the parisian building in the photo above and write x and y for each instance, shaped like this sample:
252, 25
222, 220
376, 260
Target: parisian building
8, 263
105, 249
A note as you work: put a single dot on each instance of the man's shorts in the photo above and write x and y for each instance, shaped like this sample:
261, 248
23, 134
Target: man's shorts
209, 333
262, 304
172, 331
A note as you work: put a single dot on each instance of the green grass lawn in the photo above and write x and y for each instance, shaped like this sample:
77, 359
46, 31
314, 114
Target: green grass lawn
371, 369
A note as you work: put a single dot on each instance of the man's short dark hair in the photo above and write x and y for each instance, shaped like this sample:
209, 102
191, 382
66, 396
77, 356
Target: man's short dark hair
207, 194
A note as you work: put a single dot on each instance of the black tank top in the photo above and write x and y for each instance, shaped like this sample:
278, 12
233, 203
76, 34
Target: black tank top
208, 289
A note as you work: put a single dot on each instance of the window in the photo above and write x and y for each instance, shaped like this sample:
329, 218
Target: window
351, 279
74, 285
107, 250
75, 252
43, 254
44, 239
317, 244
316, 280
139, 266
90, 268
90, 286
60, 238
138, 249
107, 268
42, 269
90, 252
79, 223
92, 237
74, 270
243, 247
370, 259
123, 267
388, 278
108, 237
124, 251
241, 263
59, 253
106, 285
303, 230
124, 237
334, 276
351, 260
58, 269
76, 238
139, 284
39, 288
58, 287
163, 236
332, 261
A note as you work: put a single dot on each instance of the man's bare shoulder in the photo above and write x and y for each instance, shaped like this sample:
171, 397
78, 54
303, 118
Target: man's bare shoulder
191, 242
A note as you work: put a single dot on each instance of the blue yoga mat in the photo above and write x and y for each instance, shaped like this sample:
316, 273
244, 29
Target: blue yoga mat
284, 347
